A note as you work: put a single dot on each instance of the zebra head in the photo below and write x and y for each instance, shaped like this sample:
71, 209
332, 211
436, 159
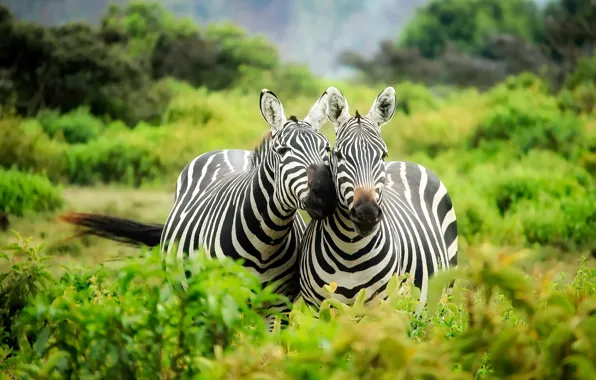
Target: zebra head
302, 176
357, 159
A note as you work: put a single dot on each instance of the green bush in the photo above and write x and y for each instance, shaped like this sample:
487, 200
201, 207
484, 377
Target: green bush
136, 324
286, 81
529, 120
584, 73
414, 97
193, 106
507, 200
20, 282
144, 104
567, 223
26, 147
526, 81
580, 100
76, 126
25, 192
17, 147
124, 159
530, 180
498, 322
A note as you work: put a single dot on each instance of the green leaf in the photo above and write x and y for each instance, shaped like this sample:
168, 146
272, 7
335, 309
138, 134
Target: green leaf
42, 338
437, 284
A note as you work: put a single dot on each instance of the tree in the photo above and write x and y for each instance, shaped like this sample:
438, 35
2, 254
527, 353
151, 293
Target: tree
479, 43
468, 24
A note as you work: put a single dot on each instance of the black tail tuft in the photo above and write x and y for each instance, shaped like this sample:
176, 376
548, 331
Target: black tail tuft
117, 229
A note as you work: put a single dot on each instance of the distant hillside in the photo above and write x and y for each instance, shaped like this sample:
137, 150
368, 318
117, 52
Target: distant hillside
309, 31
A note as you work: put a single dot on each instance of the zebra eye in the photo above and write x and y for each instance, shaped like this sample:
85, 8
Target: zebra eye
385, 154
281, 150
338, 155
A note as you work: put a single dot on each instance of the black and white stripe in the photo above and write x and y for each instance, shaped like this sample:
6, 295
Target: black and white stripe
243, 205
392, 217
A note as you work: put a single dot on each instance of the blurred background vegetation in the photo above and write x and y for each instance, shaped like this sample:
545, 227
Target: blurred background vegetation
100, 115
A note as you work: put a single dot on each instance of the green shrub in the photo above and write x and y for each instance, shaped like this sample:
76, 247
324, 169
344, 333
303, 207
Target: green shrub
26, 192
414, 97
24, 145
567, 223
137, 325
17, 147
498, 322
123, 159
530, 120
146, 104
523, 182
580, 100
194, 107
526, 81
21, 280
516, 201
286, 81
76, 126
585, 73
540, 197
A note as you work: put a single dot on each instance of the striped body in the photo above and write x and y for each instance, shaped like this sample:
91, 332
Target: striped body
392, 217
224, 206
244, 204
417, 235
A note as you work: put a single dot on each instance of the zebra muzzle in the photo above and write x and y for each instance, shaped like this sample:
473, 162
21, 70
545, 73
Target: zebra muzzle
365, 217
321, 199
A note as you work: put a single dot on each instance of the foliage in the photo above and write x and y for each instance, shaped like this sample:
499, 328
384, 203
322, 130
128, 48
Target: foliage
497, 322
137, 323
473, 43
579, 93
115, 70
66, 67
26, 192
17, 285
76, 126
468, 23
287, 80
125, 160
585, 72
530, 120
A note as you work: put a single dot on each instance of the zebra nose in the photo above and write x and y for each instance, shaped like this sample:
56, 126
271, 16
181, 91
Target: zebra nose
366, 213
321, 199
319, 180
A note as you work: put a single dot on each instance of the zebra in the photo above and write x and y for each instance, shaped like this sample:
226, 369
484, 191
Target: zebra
241, 204
391, 217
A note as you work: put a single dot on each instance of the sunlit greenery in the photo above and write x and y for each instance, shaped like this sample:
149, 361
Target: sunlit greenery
498, 322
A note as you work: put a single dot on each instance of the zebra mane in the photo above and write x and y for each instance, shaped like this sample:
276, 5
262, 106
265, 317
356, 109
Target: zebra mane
260, 150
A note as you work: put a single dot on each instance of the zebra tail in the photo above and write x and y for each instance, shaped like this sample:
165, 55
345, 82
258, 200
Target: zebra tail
118, 229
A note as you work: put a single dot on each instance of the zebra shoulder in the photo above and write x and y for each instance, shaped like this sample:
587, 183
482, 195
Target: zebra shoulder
400, 172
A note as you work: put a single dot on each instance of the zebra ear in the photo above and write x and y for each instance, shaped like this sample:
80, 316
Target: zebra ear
337, 110
272, 110
383, 108
317, 116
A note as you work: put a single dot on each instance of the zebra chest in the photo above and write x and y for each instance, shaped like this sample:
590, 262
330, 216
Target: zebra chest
350, 266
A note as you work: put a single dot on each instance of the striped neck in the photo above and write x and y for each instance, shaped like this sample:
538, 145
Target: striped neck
262, 200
